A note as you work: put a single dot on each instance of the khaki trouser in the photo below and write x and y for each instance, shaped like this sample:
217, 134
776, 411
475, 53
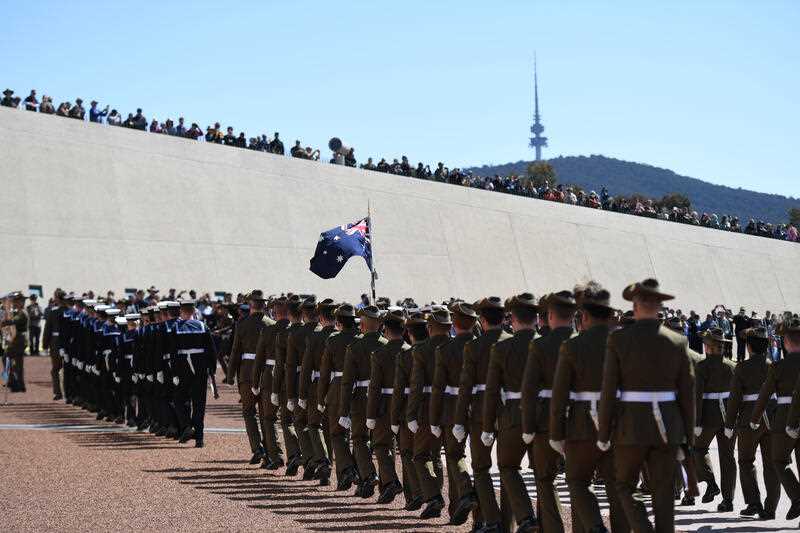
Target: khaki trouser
583, 457
249, 415
342, 456
268, 415
426, 447
782, 448
481, 458
458, 480
727, 463
303, 434
405, 445
661, 462
510, 451
290, 440
545, 468
360, 433
383, 448
748, 443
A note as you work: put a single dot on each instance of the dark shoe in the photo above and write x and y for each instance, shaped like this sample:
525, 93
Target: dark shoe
794, 511
598, 529
751, 510
687, 501
726, 506
119, 420
529, 525
465, 505
349, 477
257, 456
324, 475
198, 444
100, 415
433, 509
766, 515
68, 401
162, 432
711, 490
367, 487
172, 432
272, 464
293, 466
414, 505
309, 472
57, 397
489, 528
141, 426
389, 492
186, 435
154, 427
131, 423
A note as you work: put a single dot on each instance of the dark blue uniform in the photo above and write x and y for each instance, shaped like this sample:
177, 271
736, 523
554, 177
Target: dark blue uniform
195, 360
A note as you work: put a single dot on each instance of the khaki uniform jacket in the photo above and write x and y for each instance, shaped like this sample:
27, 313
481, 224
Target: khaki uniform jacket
646, 356
333, 361
245, 341
383, 363
357, 368
540, 372
402, 383
579, 369
447, 376
748, 377
712, 374
506, 370
265, 350
295, 350
310, 372
781, 380
281, 347
474, 369
793, 417
424, 363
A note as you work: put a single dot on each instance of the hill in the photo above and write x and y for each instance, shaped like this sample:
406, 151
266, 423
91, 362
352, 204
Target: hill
625, 178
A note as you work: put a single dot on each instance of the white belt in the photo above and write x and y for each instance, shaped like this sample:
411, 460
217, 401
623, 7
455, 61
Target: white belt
362, 383
426, 389
315, 375
453, 391
129, 357
592, 397
509, 395
407, 391
165, 357
248, 356
546, 393
387, 391
270, 362
750, 397
478, 388
54, 334
782, 400
717, 395
107, 351
652, 397
191, 351
335, 375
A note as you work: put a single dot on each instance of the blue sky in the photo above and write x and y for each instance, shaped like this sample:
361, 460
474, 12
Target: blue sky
708, 89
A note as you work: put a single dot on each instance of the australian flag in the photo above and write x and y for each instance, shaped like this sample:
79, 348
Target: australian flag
339, 244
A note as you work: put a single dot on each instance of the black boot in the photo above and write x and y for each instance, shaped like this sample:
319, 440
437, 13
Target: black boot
186, 435
529, 525
751, 510
433, 509
711, 491
349, 476
465, 505
257, 456
414, 505
389, 491
309, 472
324, 475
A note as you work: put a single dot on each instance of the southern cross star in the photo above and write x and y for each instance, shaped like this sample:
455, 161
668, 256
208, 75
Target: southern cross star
339, 259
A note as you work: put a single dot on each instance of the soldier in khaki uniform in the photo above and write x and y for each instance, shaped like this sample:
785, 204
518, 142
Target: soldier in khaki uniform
329, 390
353, 395
748, 377
309, 384
468, 415
782, 380
295, 349
650, 367
712, 386
444, 395
426, 444
15, 331
537, 386
573, 413
240, 369
504, 382
52, 334
416, 328
279, 379
263, 370
383, 363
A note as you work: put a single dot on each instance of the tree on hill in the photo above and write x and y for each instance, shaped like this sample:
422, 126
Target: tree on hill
541, 173
674, 200
794, 217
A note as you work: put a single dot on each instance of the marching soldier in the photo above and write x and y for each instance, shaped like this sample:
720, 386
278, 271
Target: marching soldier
51, 339
650, 367
383, 363
329, 392
573, 413
353, 395
279, 379
444, 395
308, 388
782, 379
712, 385
416, 328
15, 332
504, 382
536, 389
468, 415
263, 378
748, 377
295, 349
240, 369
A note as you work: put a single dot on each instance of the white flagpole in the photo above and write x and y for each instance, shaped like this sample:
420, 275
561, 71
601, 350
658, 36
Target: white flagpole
372, 273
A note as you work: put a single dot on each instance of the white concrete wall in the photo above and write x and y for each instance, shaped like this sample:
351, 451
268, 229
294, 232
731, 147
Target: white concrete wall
92, 206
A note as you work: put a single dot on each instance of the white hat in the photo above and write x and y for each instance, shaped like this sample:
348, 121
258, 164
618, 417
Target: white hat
112, 311
120, 320
133, 316
101, 307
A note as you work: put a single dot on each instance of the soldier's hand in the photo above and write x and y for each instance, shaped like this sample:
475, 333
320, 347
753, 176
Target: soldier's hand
320, 408
290, 404
487, 438
698, 430
604, 446
255, 391
230, 380
728, 433
437, 431
274, 399
135, 378
303, 404
527, 438
459, 432
558, 445
395, 429
176, 380
95, 370
794, 433
413, 427
160, 376
117, 378
371, 423
754, 426
345, 422
150, 378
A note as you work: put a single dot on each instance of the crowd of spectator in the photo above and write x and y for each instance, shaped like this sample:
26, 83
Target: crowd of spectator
513, 184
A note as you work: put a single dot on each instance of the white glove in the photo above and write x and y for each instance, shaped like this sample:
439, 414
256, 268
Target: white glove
345, 422
302, 404
728, 433
95, 370
176, 380
527, 438
135, 378
698, 430
604, 446
255, 391
395, 429
370, 423
274, 399
437, 431
160, 376
63, 353
459, 432
487, 438
290, 404
320, 408
558, 445
87, 369
754, 427
413, 427
79, 365
116, 378
150, 378
793, 432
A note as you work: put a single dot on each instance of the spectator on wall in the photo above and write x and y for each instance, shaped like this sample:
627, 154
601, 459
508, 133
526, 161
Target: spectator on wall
47, 106
276, 146
95, 114
77, 111
31, 103
138, 120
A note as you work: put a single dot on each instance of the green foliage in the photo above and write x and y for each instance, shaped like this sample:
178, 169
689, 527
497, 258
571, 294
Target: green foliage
541, 173
794, 217
674, 200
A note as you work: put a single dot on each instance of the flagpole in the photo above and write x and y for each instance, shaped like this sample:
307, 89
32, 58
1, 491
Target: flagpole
372, 248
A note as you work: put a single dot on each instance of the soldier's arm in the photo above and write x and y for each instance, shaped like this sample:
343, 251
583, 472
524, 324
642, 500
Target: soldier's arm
400, 382
608, 395
767, 389
348, 379
700, 385
562, 382
278, 372
211, 353
261, 358
236, 357
491, 398
735, 399
324, 373
306, 368
437, 388
292, 361
530, 389
374, 389
416, 382
686, 395
793, 417
465, 384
